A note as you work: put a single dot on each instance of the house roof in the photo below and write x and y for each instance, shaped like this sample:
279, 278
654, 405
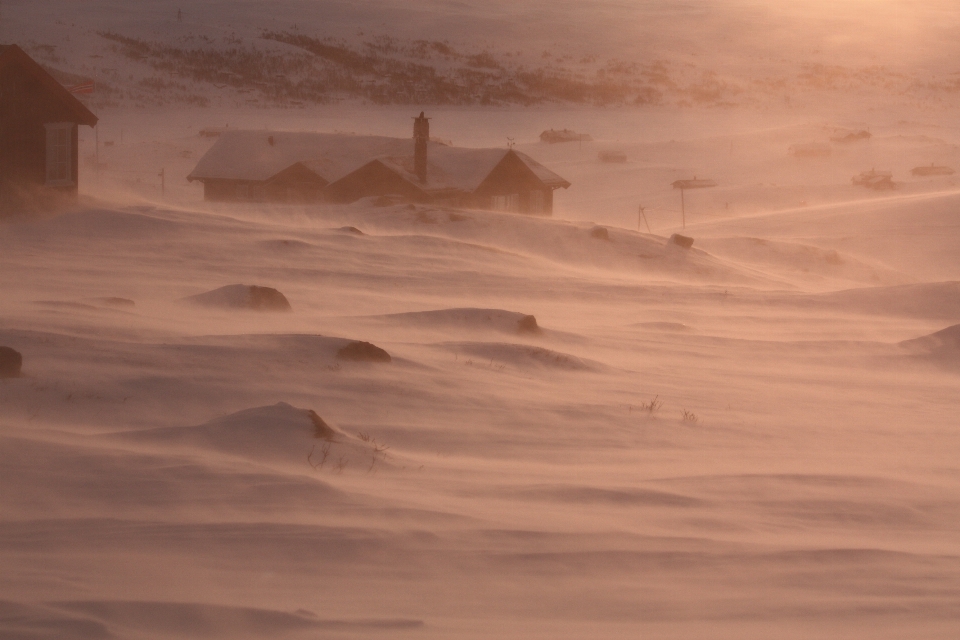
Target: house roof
249, 155
12, 55
462, 169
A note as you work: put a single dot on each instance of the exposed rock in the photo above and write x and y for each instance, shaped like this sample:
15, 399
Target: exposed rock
600, 233
352, 230
528, 324
10, 363
321, 429
241, 296
363, 352
681, 241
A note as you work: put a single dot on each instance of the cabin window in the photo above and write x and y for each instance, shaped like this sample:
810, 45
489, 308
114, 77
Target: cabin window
510, 202
59, 153
536, 202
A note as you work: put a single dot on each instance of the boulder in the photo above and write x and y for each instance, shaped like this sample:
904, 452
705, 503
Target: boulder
10, 363
321, 430
681, 241
363, 352
600, 233
527, 324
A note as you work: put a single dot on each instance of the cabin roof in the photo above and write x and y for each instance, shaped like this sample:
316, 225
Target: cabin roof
12, 55
249, 155
464, 169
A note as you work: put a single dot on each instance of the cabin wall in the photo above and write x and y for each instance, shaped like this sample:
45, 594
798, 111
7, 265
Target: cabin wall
25, 106
372, 179
263, 191
511, 186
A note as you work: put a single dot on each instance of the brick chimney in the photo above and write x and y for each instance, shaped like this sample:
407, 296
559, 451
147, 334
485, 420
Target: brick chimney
421, 135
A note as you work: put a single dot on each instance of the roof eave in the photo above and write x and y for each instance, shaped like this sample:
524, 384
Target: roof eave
12, 53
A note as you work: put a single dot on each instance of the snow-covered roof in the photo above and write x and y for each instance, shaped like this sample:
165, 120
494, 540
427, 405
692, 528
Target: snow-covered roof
12, 55
464, 169
250, 155
260, 155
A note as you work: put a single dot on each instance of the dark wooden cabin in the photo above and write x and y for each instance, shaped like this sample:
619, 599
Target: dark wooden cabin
282, 166
496, 179
38, 133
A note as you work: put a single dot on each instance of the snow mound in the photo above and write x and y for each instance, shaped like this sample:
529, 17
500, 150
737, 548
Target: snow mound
938, 300
944, 343
520, 356
110, 223
283, 244
242, 296
800, 260
279, 433
191, 619
470, 318
271, 431
359, 351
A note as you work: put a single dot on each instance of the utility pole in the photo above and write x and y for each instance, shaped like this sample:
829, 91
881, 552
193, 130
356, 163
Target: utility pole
163, 186
644, 216
683, 210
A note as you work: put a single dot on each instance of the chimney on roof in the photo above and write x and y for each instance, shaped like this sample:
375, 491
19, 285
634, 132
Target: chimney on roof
421, 135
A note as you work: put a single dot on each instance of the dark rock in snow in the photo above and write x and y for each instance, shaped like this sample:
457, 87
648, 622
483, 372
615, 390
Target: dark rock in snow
241, 296
681, 241
10, 363
600, 233
321, 429
527, 324
363, 352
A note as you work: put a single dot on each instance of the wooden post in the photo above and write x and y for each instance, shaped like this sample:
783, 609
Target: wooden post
644, 216
683, 210
163, 186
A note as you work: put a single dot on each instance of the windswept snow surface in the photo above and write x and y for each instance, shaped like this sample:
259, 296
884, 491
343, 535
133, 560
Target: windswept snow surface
797, 474
753, 438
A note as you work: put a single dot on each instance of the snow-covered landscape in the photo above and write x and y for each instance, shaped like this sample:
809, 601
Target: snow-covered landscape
407, 419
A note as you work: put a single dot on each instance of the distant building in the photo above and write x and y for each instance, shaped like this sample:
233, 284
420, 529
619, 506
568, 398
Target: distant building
932, 170
873, 179
308, 167
553, 136
284, 166
38, 132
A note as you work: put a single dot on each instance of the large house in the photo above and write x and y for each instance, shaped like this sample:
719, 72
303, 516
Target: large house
38, 132
304, 167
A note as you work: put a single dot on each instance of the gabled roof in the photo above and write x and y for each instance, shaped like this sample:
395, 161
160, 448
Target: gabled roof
11, 55
462, 169
260, 155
